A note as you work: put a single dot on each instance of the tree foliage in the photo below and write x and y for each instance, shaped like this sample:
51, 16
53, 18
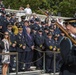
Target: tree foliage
65, 7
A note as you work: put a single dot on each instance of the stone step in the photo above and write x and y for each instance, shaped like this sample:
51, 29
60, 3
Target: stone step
50, 74
36, 72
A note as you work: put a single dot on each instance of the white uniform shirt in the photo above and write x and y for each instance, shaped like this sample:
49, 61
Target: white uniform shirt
28, 11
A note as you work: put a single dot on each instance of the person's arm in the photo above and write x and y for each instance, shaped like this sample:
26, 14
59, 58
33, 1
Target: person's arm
37, 41
0, 23
66, 52
2, 45
31, 11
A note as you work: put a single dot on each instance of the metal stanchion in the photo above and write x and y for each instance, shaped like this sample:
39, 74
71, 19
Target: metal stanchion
54, 52
17, 64
44, 61
12, 53
8, 72
54, 63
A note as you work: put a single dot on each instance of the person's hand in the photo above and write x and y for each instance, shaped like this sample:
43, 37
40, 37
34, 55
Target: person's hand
0, 27
13, 45
54, 49
32, 47
58, 49
24, 47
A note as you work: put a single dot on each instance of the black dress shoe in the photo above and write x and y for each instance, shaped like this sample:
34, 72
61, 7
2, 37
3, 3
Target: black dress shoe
57, 70
47, 71
19, 70
38, 68
29, 69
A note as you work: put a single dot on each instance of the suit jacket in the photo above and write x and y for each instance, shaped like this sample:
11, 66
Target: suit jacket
24, 30
29, 42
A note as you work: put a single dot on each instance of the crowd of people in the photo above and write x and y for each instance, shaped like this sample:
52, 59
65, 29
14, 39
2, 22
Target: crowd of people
26, 37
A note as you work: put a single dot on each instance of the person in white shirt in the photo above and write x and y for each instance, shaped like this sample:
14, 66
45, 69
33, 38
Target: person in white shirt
28, 9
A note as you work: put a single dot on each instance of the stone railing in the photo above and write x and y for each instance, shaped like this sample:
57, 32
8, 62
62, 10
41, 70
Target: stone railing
42, 17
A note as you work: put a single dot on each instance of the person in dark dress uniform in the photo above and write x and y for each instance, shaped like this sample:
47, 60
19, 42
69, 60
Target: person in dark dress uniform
39, 41
46, 30
37, 24
43, 25
12, 47
12, 39
33, 33
13, 18
68, 50
26, 24
31, 24
21, 46
49, 45
21, 23
56, 30
58, 57
3, 25
4, 21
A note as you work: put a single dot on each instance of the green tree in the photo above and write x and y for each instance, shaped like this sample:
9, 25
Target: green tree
67, 8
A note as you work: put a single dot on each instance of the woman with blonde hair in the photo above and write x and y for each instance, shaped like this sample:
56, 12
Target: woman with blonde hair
5, 58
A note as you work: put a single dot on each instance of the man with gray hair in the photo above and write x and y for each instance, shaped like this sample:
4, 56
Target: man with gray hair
29, 48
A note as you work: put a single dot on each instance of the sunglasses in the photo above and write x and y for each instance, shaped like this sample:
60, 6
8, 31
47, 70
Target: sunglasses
6, 34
